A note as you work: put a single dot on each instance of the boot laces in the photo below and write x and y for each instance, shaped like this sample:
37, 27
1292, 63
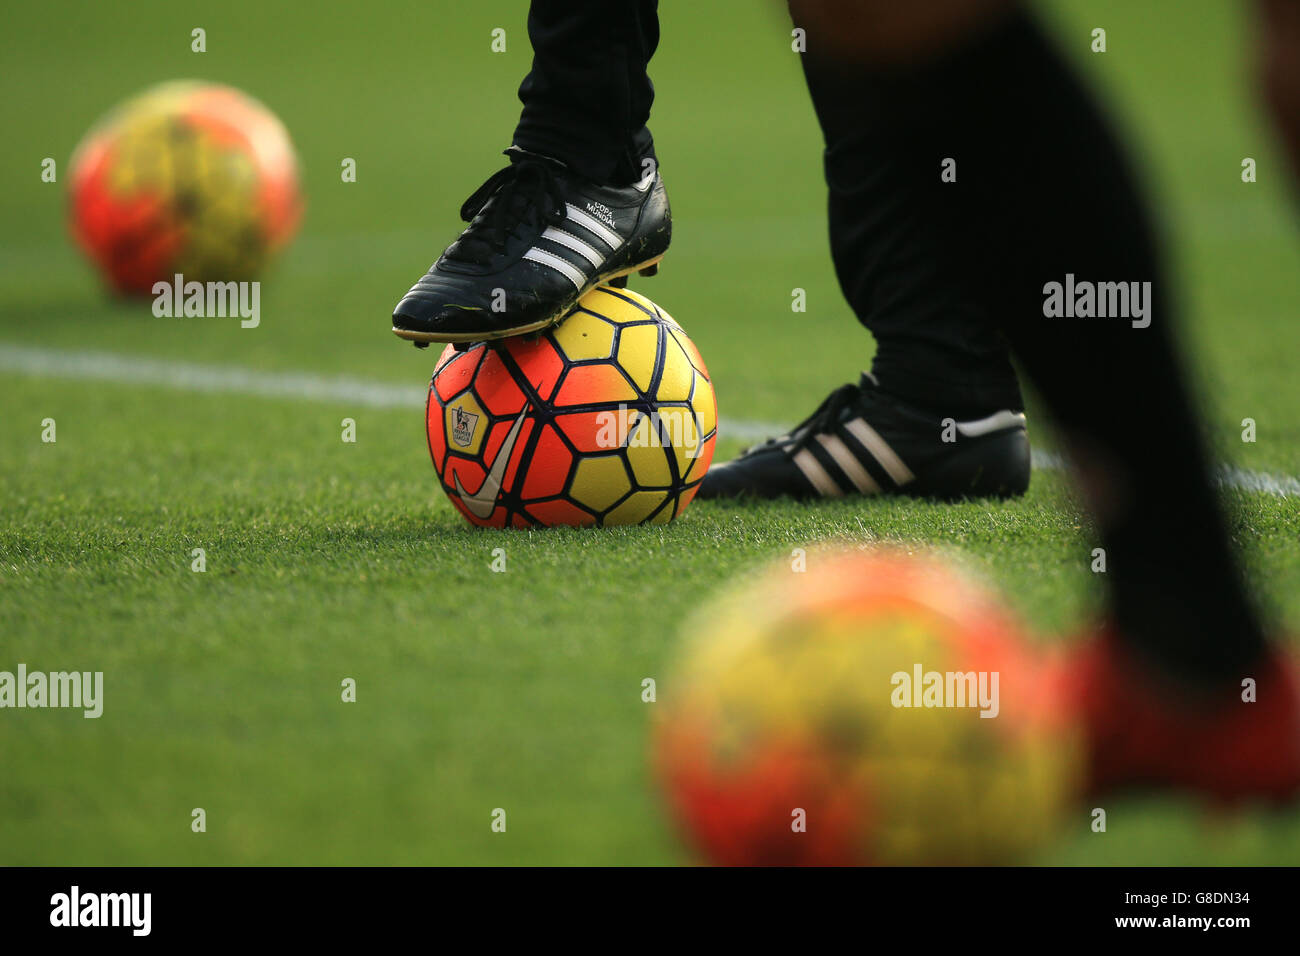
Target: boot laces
525, 192
819, 422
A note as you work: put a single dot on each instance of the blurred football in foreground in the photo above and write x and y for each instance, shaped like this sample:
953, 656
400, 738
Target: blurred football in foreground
876, 708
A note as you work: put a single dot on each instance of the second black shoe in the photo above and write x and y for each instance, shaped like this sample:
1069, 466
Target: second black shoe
539, 237
864, 441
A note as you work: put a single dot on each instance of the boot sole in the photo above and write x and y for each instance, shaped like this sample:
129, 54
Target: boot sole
647, 268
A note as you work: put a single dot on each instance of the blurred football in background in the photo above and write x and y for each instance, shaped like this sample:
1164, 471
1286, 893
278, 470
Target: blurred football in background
188, 177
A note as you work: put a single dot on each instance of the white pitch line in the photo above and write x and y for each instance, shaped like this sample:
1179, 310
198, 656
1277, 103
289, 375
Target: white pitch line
1230, 476
192, 377
1283, 486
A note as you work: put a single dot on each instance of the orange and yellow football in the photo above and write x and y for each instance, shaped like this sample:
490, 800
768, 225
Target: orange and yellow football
608, 418
848, 708
187, 178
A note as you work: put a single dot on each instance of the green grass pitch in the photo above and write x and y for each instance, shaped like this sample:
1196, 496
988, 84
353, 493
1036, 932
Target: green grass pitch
328, 560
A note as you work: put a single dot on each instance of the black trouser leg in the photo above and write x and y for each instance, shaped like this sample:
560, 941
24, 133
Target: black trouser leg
934, 268
587, 98
902, 248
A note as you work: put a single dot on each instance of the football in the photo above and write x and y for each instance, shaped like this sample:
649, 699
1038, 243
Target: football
187, 178
875, 708
608, 418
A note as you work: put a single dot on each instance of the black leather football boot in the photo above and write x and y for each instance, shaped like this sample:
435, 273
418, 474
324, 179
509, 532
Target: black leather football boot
539, 237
